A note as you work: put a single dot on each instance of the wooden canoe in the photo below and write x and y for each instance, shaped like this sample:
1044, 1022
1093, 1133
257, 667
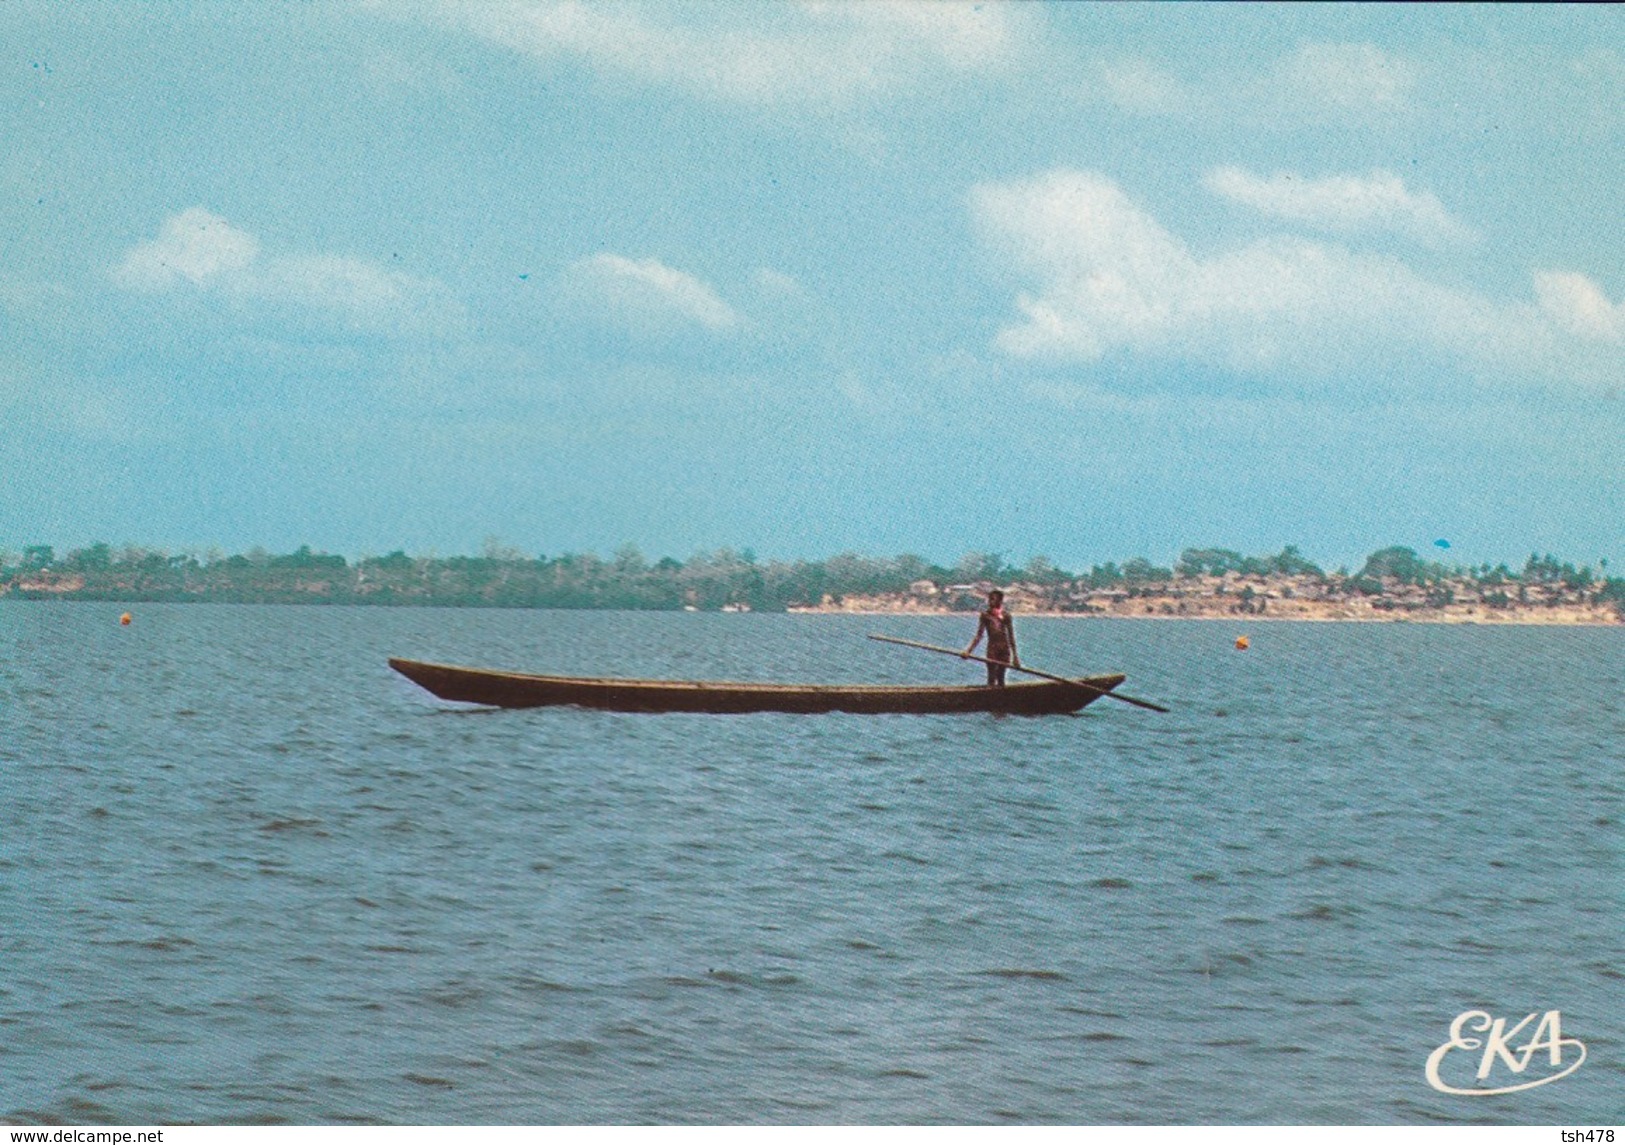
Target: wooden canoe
518, 690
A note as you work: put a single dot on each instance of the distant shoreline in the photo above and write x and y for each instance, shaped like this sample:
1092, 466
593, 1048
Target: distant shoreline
1396, 585
1561, 617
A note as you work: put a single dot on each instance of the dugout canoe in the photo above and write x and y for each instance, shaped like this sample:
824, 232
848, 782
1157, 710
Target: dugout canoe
519, 690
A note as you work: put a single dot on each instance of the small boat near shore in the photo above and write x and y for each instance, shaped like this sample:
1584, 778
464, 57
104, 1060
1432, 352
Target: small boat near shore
520, 690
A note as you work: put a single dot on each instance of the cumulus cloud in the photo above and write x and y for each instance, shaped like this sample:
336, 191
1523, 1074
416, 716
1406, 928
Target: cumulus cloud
1379, 201
762, 54
199, 250
1578, 305
1107, 276
645, 294
195, 246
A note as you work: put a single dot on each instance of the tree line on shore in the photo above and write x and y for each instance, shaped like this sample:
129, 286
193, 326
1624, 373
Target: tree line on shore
504, 577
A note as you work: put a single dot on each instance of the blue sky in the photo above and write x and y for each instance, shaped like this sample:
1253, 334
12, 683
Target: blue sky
1087, 282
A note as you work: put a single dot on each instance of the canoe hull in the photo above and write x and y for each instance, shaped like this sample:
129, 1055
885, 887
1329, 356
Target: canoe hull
519, 690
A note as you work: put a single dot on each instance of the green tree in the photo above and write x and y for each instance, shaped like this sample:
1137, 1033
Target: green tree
1398, 562
1209, 562
1106, 575
1139, 570
974, 566
96, 558
1041, 570
1290, 562
629, 561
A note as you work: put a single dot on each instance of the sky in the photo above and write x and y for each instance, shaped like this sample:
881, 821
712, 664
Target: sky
1079, 281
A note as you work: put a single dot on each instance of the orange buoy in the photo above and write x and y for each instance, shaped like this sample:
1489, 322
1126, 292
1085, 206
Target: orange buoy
125, 619
1242, 643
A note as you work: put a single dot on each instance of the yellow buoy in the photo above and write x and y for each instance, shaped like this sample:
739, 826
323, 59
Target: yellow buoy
125, 619
1242, 643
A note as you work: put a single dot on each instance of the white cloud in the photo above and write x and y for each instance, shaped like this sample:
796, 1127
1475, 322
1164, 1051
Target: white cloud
1107, 276
758, 54
1359, 77
1316, 83
197, 249
1109, 272
1379, 201
1141, 86
195, 245
646, 293
333, 282
776, 282
1578, 305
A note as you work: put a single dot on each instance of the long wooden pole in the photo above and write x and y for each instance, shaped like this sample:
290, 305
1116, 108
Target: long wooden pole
1107, 692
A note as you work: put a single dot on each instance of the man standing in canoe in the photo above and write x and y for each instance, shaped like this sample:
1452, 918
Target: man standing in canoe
1001, 639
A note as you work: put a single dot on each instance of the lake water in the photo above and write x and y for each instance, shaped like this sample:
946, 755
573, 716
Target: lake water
249, 875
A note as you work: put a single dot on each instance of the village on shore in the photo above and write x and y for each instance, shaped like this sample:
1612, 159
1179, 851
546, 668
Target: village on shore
1272, 596
1394, 584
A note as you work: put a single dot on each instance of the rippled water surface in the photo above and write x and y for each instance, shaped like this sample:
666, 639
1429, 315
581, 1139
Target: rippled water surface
249, 875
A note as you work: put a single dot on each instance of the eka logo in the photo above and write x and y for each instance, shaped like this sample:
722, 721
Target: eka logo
1497, 1047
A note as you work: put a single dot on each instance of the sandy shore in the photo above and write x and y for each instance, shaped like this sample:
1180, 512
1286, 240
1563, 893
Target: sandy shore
1218, 608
